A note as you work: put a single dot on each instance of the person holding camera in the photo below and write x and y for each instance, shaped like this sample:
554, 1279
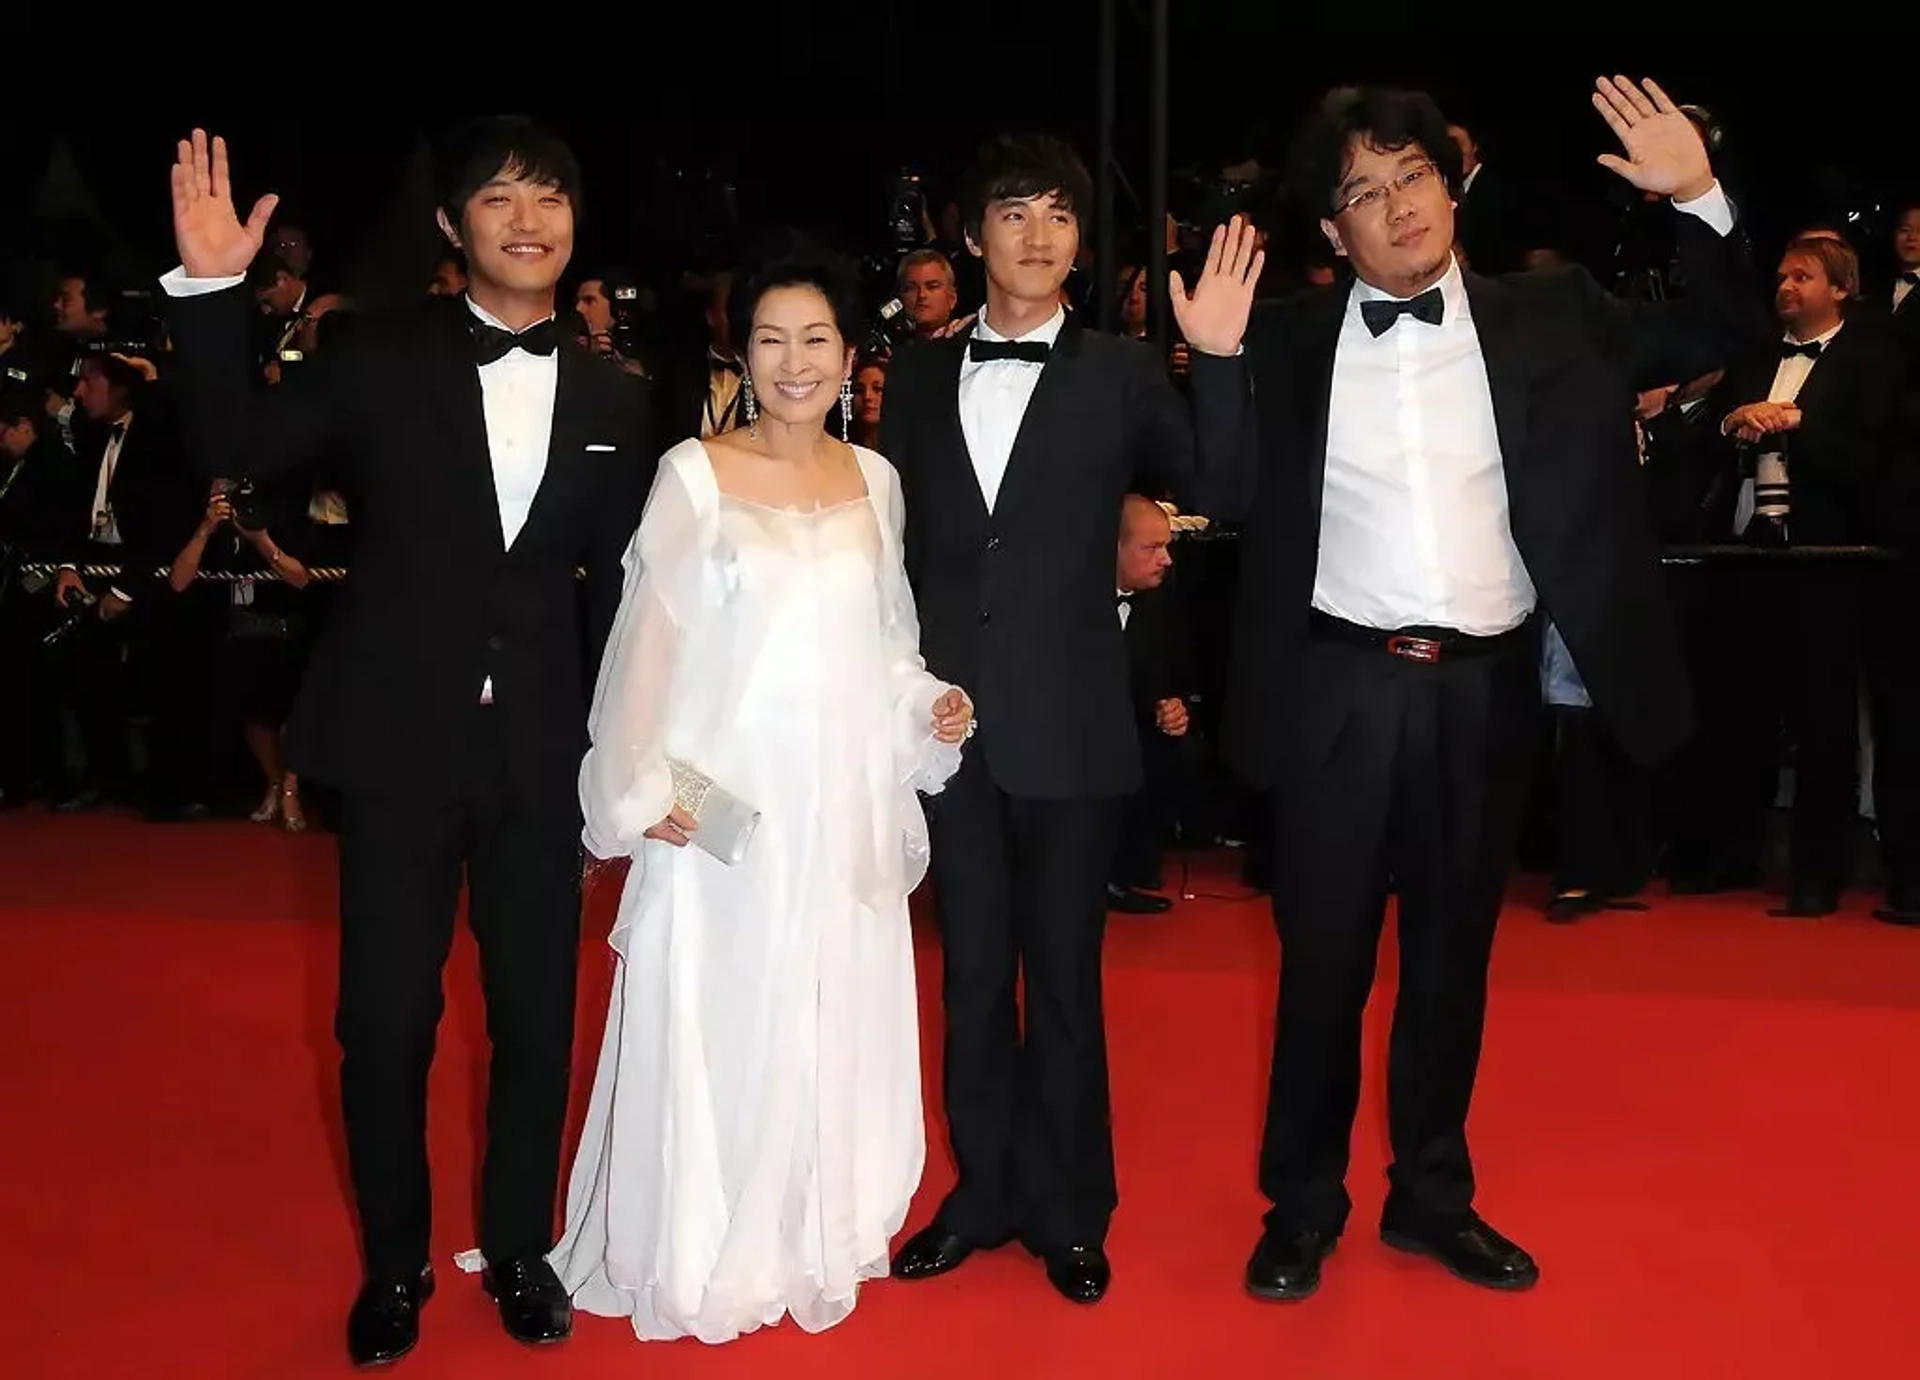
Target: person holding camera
257, 620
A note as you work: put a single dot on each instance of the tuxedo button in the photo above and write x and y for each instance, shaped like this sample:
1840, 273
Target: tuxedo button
993, 543
985, 618
493, 643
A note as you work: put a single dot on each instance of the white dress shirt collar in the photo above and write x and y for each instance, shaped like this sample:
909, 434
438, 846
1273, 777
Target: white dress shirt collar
495, 321
1824, 339
1047, 332
1452, 285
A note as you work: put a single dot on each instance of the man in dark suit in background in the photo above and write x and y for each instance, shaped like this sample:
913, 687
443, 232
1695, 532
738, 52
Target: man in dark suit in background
1159, 674
1438, 460
1016, 440
446, 700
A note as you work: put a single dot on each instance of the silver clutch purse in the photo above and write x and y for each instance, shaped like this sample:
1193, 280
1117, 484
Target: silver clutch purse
726, 823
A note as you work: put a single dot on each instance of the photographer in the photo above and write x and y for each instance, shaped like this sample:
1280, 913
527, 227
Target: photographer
121, 510
608, 306
254, 629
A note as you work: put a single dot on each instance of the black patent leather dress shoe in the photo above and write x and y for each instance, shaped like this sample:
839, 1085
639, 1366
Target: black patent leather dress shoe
1807, 903
534, 1307
1126, 900
1080, 1273
1286, 1266
934, 1250
1471, 1250
385, 1322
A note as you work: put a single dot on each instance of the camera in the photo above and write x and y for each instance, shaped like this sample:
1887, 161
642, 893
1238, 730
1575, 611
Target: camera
891, 327
907, 211
249, 506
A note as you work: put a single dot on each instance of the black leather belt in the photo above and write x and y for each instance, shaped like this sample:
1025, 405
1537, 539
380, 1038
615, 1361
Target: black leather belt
1428, 645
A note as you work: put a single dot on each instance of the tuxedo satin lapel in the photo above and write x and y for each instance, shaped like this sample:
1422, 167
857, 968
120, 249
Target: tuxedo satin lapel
954, 459
1049, 415
455, 384
1319, 345
566, 440
1503, 346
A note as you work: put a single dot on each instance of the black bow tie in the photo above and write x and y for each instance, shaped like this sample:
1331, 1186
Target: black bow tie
1379, 314
1911, 277
1027, 351
491, 343
1788, 349
117, 431
1123, 599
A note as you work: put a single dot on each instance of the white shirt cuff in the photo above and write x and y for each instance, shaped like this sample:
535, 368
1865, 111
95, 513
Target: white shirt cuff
117, 593
178, 284
1711, 206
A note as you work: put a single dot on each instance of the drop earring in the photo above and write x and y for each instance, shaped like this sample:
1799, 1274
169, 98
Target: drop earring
748, 406
846, 409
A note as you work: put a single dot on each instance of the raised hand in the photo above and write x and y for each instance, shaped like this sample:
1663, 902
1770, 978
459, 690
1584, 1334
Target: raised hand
212, 241
1664, 152
1213, 317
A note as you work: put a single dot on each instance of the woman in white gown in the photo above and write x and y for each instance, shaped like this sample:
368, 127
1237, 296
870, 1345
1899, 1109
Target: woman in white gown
755, 1131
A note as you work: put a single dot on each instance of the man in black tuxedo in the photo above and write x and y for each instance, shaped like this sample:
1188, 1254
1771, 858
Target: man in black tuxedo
1159, 675
1819, 407
1438, 460
1016, 440
446, 700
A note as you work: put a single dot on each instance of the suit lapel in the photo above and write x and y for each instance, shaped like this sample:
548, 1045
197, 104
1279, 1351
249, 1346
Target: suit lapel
1049, 413
1503, 348
955, 460
567, 439
456, 392
1319, 345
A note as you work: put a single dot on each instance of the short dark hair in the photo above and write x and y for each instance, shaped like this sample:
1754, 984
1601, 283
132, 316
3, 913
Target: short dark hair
481, 150
20, 402
792, 258
1380, 117
117, 373
1013, 167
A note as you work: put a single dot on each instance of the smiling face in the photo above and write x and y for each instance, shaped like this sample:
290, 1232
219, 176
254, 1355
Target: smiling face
517, 235
1028, 246
796, 355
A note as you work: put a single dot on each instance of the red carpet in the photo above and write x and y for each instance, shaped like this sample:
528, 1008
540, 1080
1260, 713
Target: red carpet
1702, 1121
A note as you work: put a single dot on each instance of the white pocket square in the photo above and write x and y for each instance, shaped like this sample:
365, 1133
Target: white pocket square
598, 446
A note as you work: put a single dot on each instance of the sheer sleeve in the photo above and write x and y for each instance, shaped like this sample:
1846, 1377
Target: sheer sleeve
625, 788
926, 764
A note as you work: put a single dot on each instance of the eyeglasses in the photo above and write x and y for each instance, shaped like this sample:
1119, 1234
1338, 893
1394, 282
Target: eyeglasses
1375, 197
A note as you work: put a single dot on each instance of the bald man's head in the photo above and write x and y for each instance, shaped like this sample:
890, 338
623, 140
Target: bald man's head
1146, 536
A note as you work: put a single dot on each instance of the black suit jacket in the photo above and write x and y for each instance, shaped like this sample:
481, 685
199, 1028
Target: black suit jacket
1016, 605
1158, 665
155, 501
1560, 355
1848, 437
437, 602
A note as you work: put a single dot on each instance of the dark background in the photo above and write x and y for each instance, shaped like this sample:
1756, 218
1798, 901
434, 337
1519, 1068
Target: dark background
808, 110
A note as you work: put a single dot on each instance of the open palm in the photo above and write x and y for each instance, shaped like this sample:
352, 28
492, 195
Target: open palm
212, 240
1664, 152
1213, 316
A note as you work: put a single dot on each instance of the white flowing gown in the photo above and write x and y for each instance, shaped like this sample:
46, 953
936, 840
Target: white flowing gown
755, 1134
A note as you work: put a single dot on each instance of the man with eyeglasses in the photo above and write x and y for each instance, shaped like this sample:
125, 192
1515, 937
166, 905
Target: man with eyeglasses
1440, 463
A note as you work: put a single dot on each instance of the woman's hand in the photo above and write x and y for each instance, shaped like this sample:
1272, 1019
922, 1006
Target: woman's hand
952, 717
677, 828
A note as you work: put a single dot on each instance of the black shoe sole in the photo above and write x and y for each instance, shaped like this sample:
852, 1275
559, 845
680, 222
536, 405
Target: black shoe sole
1413, 1245
1292, 1295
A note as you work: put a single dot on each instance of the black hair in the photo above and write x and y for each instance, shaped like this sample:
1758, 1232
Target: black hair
511, 145
22, 402
1013, 167
1379, 117
117, 373
794, 259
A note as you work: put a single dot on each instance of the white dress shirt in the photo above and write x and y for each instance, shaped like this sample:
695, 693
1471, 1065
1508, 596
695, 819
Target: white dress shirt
1414, 523
1789, 377
105, 528
516, 395
1901, 287
993, 401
